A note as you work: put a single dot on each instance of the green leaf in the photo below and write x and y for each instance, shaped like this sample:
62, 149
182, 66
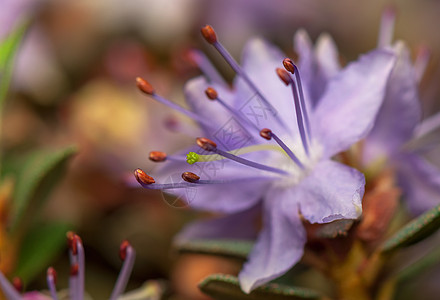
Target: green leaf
8, 49
39, 247
415, 231
223, 247
39, 173
423, 264
221, 286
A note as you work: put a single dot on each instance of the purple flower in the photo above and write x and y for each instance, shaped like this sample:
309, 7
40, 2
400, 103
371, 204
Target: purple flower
266, 145
77, 272
396, 137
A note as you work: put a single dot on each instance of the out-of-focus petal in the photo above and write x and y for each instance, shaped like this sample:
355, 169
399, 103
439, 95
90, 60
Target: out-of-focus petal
348, 109
279, 245
400, 111
420, 182
327, 56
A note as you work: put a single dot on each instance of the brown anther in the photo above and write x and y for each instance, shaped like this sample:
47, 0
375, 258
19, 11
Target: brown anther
144, 86
288, 65
74, 270
266, 133
211, 93
157, 156
284, 76
123, 250
52, 273
18, 284
206, 144
142, 177
190, 177
71, 242
209, 34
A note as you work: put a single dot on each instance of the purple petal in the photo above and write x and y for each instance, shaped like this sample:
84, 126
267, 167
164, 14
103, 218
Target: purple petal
400, 112
306, 64
327, 57
420, 182
347, 110
243, 225
260, 60
279, 246
333, 191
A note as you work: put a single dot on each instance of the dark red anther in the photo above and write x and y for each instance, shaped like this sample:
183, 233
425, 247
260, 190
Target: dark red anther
18, 284
142, 177
266, 133
71, 242
52, 273
288, 65
190, 177
144, 86
74, 270
284, 76
206, 144
209, 34
123, 250
211, 93
157, 156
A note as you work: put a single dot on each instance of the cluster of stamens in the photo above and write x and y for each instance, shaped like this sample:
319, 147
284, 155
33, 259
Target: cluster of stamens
77, 271
289, 75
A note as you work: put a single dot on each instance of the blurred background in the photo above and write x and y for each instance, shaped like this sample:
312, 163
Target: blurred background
74, 83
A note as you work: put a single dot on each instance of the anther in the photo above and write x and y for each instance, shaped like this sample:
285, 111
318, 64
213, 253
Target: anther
211, 93
123, 250
206, 144
288, 65
52, 273
209, 34
18, 284
144, 86
74, 269
71, 242
266, 133
190, 177
142, 177
284, 76
157, 156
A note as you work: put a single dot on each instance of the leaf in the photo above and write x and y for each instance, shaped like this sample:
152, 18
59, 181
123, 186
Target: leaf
423, 264
40, 172
150, 290
229, 248
8, 49
39, 247
416, 230
221, 286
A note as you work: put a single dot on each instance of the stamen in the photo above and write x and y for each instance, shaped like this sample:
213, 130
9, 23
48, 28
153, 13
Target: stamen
143, 178
51, 282
213, 148
157, 156
18, 284
268, 134
203, 63
146, 88
285, 77
8, 289
127, 255
421, 62
386, 29
210, 36
190, 177
77, 262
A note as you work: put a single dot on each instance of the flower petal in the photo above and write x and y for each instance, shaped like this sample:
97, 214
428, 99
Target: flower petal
333, 191
280, 244
327, 57
306, 64
347, 110
242, 225
400, 111
420, 182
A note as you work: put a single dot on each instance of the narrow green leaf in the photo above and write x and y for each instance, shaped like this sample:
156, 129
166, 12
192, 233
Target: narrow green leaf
39, 247
416, 230
8, 49
221, 286
229, 248
423, 264
40, 172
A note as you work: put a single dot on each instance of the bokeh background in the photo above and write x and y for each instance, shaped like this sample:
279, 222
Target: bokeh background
74, 83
